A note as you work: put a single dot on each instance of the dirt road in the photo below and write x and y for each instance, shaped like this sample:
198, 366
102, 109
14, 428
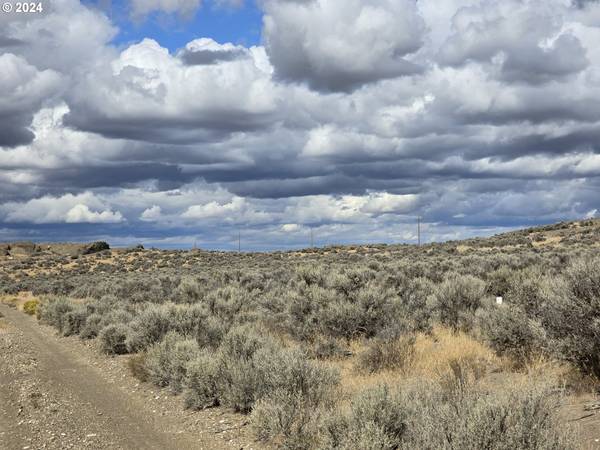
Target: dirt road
57, 394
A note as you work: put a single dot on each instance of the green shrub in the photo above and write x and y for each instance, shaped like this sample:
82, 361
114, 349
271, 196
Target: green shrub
150, 326
457, 299
211, 332
31, 306
424, 416
311, 275
511, 333
240, 382
364, 314
53, 310
382, 354
91, 327
284, 419
96, 321
520, 417
112, 339
189, 291
378, 419
528, 290
166, 361
572, 316
201, 381
296, 391
74, 320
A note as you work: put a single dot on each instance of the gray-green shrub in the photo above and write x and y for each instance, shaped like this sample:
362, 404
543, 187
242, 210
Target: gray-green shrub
457, 299
112, 339
511, 333
296, 391
201, 381
166, 362
378, 419
382, 354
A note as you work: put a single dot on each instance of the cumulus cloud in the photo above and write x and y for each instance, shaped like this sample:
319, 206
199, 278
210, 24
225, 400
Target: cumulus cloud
148, 94
69, 208
82, 214
151, 214
522, 41
291, 228
23, 90
67, 37
236, 211
349, 208
340, 45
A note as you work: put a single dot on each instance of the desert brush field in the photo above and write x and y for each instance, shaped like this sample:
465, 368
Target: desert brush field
357, 347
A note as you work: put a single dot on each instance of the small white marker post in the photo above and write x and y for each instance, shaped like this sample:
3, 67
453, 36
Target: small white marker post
499, 300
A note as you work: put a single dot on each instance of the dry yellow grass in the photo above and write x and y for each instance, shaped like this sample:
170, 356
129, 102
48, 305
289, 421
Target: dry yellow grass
17, 301
549, 240
559, 373
433, 356
434, 353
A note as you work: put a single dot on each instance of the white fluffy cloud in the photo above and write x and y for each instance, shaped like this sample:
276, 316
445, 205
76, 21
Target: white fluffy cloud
149, 94
349, 208
68, 37
82, 208
81, 213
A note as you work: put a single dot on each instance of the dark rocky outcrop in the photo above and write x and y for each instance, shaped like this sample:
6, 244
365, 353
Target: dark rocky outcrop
95, 247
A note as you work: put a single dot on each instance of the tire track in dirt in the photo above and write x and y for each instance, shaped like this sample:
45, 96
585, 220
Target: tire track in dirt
52, 397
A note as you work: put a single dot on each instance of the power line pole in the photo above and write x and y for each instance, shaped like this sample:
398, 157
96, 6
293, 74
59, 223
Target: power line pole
239, 241
312, 240
419, 230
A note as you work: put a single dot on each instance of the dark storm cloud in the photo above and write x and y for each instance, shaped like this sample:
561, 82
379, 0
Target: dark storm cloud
78, 178
6, 42
207, 57
326, 60
23, 90
583, 3
520, 42
213, 128
15, 130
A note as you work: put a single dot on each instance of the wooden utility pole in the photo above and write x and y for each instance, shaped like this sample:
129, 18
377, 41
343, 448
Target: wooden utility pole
419, 230
239, 242
312, 240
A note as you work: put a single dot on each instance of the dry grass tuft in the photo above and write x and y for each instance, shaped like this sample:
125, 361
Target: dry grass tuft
9, 300
435, 353
433, 357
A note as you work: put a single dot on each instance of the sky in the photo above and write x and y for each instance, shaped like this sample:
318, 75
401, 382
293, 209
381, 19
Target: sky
173, 122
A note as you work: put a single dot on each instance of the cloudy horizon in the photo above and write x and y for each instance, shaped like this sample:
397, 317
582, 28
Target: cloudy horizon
169, 122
